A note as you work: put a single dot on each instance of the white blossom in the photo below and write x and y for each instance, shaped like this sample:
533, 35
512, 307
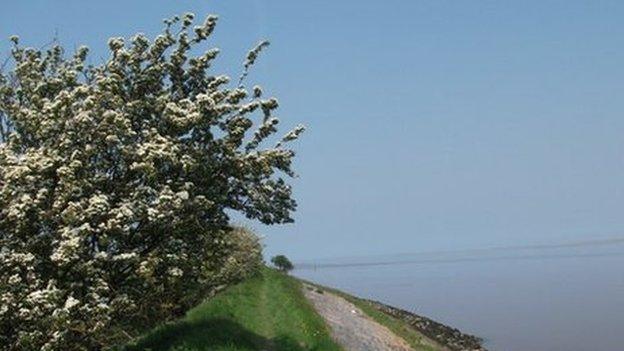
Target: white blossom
175, 272
70, 303
117, 181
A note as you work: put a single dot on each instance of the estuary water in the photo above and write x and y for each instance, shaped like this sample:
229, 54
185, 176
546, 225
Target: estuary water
557, 298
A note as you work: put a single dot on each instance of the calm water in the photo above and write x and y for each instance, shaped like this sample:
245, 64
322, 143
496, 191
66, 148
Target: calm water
565, 299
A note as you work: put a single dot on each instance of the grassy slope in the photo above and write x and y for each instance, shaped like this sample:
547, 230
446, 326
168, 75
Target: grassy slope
268, 312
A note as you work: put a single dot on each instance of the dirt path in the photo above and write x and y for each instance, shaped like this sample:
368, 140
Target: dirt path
350, 327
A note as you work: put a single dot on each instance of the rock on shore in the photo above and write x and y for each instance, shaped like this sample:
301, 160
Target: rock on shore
450, 337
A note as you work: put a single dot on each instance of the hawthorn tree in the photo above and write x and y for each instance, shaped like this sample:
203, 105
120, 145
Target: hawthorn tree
116, 180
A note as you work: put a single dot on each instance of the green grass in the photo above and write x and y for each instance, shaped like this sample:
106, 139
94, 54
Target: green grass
267, 313
413, 337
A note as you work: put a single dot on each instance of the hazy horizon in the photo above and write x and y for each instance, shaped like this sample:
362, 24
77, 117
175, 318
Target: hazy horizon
432, 125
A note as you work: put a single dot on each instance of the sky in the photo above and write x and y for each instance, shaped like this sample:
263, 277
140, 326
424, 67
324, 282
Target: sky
432, 125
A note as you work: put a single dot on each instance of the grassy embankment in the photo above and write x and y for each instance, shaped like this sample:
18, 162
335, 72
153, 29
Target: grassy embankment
264, 313
268, 312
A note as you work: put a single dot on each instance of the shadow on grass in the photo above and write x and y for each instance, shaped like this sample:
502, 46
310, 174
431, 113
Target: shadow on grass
212, 334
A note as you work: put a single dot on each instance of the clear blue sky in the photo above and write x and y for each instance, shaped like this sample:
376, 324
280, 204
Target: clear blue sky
433, 125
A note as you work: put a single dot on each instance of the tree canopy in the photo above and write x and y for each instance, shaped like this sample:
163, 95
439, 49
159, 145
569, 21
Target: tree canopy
116, 181
282, 263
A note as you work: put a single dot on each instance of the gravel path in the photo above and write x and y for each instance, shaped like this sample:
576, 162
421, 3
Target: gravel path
351, 328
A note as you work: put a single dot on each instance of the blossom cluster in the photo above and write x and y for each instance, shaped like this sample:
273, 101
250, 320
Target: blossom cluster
116, 181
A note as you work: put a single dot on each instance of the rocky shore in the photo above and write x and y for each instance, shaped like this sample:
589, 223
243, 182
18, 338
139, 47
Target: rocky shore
450, 337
